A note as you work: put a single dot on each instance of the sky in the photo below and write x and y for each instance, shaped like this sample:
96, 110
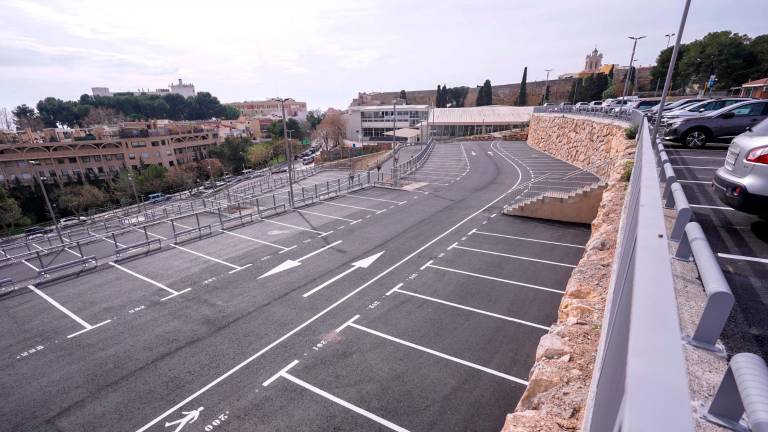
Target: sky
325, 51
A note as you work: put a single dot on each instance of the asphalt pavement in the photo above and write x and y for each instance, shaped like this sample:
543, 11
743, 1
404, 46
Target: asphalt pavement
381, 309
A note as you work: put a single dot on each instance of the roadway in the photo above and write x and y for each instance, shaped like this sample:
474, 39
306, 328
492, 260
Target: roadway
379, 310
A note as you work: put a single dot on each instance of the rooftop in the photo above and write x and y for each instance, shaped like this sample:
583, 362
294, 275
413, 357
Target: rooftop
476, 115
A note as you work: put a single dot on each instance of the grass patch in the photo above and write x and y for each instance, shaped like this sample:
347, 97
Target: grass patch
628, 165
631, 132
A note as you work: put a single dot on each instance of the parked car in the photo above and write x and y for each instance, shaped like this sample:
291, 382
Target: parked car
308, 160
581, 106
724, 123
157, 197
71, 221
644, 104
36, 231
279, 169
595, 105
742, 181
675, 105
702, 107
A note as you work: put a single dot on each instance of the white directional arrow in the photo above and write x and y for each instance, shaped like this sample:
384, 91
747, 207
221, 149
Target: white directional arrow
363, 263
473, 153
490, 153
289, 264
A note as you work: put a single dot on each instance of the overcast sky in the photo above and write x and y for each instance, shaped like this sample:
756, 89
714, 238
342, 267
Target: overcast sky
325, 51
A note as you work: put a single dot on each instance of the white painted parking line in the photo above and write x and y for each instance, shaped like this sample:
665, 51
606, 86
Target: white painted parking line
475, 231
237, 268
30, 265
282, 248
295, 226
480, 311
447, 173
280, 373
351, 320
69, 313
397, 287
174, 293
710, 207
376, 199
419, 175
743, 258
696, 157
66, 249
363, 263
152, 234
354, 207
695, 167
495, 278
455, 246
695, 181
351, 222
439, 354
284, 374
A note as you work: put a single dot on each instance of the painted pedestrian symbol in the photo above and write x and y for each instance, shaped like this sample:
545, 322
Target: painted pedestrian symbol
189, 417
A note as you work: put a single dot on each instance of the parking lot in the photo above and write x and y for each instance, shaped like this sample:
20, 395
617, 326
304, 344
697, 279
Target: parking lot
739, 240
378, 309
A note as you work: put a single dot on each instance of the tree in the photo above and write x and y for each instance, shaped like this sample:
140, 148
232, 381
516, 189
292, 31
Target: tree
210, 167
314, 118
78, 198
230, 113
609, 91
259, 155
485, 94
332, 130
759, 49
102, 116
724, 54
26, 118
10, 212
403, 97
181, 178
572, 92
440, 99
522, 97
6, 119
232, 153
154, 178
454, 97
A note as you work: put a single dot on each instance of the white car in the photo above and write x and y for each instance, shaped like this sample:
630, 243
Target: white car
71, 221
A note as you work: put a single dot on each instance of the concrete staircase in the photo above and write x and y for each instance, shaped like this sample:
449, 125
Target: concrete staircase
579, 205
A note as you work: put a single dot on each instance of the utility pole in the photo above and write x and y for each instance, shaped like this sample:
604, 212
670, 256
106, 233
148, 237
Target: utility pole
395, 174
658, 80
47, 201
288, 156
546, 87
629, 71
133, 187
670, 72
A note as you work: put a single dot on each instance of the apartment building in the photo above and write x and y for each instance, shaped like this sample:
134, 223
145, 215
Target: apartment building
270, 108
64, 155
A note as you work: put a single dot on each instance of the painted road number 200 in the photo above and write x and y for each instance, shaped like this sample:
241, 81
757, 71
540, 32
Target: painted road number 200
217, 421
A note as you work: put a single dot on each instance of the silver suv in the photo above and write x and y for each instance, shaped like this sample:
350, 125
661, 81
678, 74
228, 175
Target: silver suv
724, 123
742, 182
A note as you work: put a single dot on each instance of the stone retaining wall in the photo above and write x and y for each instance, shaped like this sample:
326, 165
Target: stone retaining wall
560, 377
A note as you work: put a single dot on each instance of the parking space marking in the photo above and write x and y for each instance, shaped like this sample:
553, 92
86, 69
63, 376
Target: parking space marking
69, 313
30, 265
710, 207
376, 199
66, 249
394, 289
439, 354
351, 222
282, 248
494, 278
695, 157
297, 227
696, 167
456, 246
235, 267
480, 311
354, 207
289, 264
174, 293
695, 181
152, 234
284, 374
475, 231
743, 258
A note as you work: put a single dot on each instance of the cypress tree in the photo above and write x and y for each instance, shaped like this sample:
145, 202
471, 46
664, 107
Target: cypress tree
522, 96
485, 94
404, 97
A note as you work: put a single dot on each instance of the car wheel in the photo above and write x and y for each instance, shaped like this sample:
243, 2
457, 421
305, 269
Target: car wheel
695, 138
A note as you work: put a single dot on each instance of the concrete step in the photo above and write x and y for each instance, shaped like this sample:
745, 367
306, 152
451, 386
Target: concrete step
579, 205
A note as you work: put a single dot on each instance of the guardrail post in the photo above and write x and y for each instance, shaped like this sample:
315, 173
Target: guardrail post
258, 210
114, 240
221, 221
274, 201
39, 259
316, 197
338, 186
744, 389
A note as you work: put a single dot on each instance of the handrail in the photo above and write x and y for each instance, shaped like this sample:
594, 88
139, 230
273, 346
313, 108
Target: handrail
640, 381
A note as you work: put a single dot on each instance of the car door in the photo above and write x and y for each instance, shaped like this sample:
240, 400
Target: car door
744, 116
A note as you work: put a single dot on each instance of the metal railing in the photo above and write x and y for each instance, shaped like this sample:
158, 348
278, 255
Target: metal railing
623, 114
640, 380
743, 390
406, 167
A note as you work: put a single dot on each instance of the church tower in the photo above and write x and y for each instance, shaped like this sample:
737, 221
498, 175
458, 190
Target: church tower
594, 61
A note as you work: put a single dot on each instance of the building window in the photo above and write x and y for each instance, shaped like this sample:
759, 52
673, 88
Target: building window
85, 159
119, 157
72, 160
97, 158
170, 163
107, 157
145, 155
131, 156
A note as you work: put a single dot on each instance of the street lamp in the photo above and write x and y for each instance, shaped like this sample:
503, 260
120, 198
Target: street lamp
629, 71
395, 174
288, 156
546, 87
133, 187
47, 201
658, 80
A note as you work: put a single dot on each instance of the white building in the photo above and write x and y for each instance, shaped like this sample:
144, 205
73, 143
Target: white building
459, 122
186, 90
181, 88
372, 122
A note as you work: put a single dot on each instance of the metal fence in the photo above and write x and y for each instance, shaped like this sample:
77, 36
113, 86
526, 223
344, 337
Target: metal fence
624, 114
640, 380
407, 167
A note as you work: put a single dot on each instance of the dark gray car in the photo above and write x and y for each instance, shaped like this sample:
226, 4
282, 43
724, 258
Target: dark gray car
718, 125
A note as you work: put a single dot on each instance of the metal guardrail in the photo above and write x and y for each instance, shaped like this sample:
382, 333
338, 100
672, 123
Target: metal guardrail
83, 262
120, 252
615, 114
720, 299
404, 168
743, 390
640, 380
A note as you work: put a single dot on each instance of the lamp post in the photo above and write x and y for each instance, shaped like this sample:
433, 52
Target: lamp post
47, 201
670, 71
546, 87
133, 187
629, 71
288, 157
658, 80
395, 174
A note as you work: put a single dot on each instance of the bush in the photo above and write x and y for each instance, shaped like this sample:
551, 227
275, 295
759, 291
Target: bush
628, 165
631, 132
